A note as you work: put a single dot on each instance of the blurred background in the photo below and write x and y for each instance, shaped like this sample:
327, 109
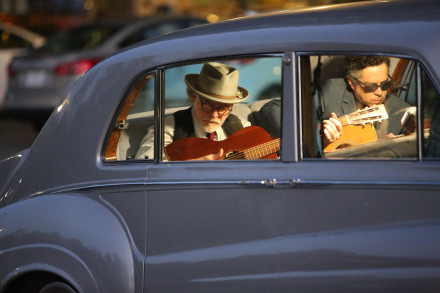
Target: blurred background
45, 45
49, 16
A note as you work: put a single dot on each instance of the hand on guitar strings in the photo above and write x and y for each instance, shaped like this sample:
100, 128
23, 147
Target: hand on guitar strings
332, 129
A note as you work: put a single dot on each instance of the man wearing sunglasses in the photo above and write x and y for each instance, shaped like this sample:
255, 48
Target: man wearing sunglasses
213, 93
367, 84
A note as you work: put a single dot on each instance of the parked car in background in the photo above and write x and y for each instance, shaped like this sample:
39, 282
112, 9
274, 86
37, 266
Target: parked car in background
14, 41
80, 213
39, 80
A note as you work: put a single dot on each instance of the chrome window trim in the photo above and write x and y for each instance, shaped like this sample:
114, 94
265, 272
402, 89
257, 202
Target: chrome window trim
265, 183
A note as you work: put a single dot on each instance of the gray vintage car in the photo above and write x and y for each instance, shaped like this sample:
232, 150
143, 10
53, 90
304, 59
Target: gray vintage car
81, 212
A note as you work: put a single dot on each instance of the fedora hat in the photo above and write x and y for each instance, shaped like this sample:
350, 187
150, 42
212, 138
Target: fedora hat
217, 82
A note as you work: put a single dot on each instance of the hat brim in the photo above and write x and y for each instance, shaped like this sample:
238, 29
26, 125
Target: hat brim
192, 81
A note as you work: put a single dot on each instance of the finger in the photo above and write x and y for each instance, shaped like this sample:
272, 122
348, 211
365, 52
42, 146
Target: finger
331, 127
337, 124
218, 155
332, 133
327, 135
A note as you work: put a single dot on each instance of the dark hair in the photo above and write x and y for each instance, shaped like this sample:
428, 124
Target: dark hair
353, 64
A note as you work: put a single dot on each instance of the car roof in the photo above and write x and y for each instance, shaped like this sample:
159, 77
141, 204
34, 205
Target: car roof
390, 27
361, 13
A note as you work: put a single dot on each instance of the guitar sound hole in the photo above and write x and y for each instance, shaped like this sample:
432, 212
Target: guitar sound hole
343, 146
234, 155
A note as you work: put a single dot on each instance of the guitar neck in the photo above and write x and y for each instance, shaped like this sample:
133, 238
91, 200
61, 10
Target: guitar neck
344, 120
262, 150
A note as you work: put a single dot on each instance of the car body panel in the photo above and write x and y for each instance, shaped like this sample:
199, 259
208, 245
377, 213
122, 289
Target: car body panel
269, 225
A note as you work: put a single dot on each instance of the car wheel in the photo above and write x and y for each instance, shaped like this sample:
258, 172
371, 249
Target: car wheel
57, 287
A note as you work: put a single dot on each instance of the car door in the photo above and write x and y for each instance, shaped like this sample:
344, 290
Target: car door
363, 218
210, 225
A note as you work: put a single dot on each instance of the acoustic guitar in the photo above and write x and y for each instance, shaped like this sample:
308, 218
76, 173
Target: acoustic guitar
250, 143
357, 127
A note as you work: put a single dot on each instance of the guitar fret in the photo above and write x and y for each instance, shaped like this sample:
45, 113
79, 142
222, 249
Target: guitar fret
263, 150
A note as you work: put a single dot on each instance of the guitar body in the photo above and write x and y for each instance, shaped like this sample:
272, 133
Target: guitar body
233, 147
353, 135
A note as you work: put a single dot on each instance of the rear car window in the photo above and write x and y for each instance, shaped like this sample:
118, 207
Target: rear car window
134, 135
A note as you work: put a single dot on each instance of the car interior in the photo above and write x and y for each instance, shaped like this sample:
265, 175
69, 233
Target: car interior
137, 113
405, 74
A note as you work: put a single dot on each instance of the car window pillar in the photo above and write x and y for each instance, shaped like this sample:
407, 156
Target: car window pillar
159, 113
289, 110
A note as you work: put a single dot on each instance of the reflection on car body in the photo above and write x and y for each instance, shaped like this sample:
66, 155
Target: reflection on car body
79, 211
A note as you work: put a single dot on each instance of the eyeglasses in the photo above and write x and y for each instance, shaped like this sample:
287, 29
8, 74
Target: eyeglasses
372, 87
207, 107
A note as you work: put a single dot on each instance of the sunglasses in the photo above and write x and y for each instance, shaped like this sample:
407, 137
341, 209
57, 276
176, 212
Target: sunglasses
207, 107
372, 87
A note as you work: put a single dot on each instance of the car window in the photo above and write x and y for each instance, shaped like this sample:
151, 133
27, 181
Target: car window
226, 106
363, 106
134, 117
192, 101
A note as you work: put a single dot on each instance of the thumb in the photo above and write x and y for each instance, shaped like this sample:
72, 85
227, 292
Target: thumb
218, 155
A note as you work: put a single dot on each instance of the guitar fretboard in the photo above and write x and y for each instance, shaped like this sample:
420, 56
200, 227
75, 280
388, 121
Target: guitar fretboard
256, 152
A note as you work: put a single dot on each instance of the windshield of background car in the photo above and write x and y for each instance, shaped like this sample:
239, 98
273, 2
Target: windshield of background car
9, 40
80, 38
367, 106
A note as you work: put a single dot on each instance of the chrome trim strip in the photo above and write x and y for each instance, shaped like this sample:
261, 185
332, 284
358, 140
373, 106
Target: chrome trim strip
293, 183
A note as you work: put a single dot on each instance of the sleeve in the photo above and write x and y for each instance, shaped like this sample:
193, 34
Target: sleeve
245, 123
146, 149
396, 109
270, 115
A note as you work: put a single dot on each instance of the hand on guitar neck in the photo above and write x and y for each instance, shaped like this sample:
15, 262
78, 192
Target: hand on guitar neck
332, 129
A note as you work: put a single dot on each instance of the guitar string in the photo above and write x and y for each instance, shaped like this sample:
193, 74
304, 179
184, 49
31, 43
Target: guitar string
256, 149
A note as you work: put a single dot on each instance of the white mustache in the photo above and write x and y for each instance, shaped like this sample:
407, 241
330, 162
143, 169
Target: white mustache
213, 121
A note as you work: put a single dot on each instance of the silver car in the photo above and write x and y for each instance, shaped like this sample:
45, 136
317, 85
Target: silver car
40, 79
80, 212
14, 41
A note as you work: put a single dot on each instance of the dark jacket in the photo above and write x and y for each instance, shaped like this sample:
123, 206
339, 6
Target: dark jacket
185, 126
338, 98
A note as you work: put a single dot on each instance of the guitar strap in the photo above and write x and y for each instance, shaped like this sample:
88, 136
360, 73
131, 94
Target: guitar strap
185, 127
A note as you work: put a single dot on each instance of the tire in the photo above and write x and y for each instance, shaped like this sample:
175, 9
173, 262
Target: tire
57, 287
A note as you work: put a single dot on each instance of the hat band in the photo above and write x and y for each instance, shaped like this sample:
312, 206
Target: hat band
224, 97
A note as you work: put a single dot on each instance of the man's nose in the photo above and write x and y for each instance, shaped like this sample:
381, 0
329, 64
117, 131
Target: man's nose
378, 91
214, 113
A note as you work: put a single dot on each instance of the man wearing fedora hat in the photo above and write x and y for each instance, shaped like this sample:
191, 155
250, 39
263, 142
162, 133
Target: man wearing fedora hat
213, 92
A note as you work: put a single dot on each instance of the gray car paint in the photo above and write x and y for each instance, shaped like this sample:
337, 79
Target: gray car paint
273, 226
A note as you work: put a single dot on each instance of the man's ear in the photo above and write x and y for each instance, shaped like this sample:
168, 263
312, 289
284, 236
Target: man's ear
350, 82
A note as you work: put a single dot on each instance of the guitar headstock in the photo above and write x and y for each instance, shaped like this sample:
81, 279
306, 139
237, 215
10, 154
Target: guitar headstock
371, 114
